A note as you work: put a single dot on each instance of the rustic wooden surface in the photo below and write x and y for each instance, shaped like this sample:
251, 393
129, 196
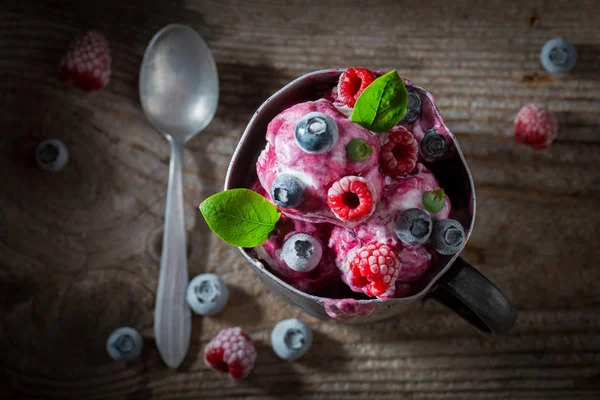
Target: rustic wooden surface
79, 249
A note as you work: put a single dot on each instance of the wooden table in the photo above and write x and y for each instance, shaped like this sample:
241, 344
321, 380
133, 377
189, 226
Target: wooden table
79, 249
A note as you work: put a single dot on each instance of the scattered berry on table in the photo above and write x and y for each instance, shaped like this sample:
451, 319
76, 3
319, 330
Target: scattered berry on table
124, 344
399, 153
558, 56
231, 351
374, 268
87, 63
447, 236
413, 107
316, 133
291, 339
351, 198
207, 294
302, 252
535, 126
434, 145
51, 155
287, 191
413, 226
352, 83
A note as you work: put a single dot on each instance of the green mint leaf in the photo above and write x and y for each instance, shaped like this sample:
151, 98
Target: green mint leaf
433, 201
358, 150
382, 104
240, 217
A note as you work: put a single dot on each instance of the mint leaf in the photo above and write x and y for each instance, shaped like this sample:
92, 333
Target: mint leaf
240, 217
382, 104
433, 201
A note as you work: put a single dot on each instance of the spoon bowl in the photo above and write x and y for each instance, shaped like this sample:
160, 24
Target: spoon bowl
179, 86
179, 92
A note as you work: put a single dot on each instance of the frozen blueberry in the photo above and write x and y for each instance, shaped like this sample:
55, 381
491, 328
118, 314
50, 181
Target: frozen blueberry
448, 236
207, 294
51, 155
558, 56
290, 339
316, 133
413, 226
434, 145
413, 108
302, 252
287, 191
124, 344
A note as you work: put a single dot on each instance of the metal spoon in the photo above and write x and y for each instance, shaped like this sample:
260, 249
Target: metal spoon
179, 91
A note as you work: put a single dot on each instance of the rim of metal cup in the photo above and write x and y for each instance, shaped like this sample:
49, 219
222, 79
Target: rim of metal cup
309, 79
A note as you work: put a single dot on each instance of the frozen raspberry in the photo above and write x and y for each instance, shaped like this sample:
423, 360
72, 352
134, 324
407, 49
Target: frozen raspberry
231, 351
399, 153
375, 268
535, 126
351, 199
87, 62
352, 83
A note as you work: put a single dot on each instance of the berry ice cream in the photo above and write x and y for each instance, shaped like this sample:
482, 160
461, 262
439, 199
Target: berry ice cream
362, 214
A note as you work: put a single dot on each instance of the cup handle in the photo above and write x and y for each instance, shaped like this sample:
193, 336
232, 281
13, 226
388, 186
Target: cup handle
475, 298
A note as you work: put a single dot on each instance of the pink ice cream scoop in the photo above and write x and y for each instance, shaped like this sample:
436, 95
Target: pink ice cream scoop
306, 154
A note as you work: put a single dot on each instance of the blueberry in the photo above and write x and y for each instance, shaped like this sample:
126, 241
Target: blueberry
302, 252
291, 339
207, 294
316, 133
287, 191
124, 344
51, 155
448, 236
434, 145
558, 56
413, 108
413, 226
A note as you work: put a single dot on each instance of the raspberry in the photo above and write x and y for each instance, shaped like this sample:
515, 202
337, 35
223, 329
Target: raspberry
231, 351
535, 126
87, 63
351, 198
375, 268
352, 83
399, 153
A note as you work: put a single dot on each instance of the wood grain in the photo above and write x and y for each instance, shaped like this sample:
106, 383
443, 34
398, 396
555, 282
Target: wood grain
79, 249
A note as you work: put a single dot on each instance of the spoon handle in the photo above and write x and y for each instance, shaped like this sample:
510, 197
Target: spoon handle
172, 317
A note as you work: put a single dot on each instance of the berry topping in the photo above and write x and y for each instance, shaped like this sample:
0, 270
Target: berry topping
433, 200
302, 252
358, 150
231, 351
87, 62
434, 145
558, 56
399, 153
316, 133
207, 294
124, 344
291, 339
51, 155
352, 83
413, 108
535, 126
413, 226
447, 237
287, 191
374, 268
351, 199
